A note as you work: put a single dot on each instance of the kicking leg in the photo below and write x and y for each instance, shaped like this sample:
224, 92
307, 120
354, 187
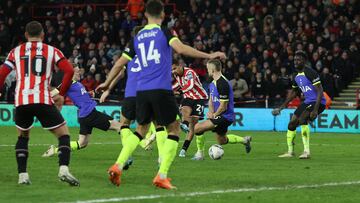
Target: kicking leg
22, 153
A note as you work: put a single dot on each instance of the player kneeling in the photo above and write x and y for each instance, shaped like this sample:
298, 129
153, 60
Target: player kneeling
221, 113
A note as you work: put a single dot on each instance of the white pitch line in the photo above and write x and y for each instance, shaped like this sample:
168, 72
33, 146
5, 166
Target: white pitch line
238, 190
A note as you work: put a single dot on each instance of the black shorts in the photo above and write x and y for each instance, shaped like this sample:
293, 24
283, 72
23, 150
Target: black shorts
308, 107
128, 109
197, 106
221, 125
95, 119
48, 115
158, 105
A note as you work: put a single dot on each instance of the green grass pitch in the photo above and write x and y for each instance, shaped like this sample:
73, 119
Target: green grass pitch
332, 175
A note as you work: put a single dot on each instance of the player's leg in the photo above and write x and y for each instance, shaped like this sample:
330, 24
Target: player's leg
224, 138
305, 134
186, 124
131, 140
186, 109
291, 133
161, 136
200, 129
57, 126
24, 119
166, 114
128, 114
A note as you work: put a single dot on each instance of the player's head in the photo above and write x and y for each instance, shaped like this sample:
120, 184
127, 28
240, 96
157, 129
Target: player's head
34, 29
213, 66
177, 68
155, 9
76, 76
299, 59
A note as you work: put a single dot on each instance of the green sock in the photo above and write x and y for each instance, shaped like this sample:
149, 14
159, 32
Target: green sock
169, 153
200, 142
290, 136
74, 145
161, 136
129, 146
124, 133
305, 134
233, 139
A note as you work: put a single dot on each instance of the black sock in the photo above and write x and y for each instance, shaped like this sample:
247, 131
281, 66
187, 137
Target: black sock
138, 135
173, 137
186, 144
22, 154
186, 123
160, 129
64, 150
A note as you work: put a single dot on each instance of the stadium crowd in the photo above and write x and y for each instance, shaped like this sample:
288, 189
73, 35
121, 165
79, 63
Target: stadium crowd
260, 38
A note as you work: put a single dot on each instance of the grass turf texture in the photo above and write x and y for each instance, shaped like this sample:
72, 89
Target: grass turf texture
335, 158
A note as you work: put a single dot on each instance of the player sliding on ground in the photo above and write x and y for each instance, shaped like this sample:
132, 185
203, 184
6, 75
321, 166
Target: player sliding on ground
88, 116
154, 96
192, 106
308, 81
33, 63
221, 112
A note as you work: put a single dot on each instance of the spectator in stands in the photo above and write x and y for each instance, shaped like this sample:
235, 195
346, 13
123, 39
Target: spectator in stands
135, 7
327, 82
239, 86
258, 87
89, 82
275, 90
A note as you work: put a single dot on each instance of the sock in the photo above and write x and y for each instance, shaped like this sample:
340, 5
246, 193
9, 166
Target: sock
161, 136
186, 123
200, 143
21, 152
129, 146
169, 153
124, 133
186, 144
305, 134
64, 150
233, 139
74, 145
290, 136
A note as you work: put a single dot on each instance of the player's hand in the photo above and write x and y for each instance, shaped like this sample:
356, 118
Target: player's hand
104, 95
276, 111
313, 115
218, 54
210, 115
102, 87
58, 101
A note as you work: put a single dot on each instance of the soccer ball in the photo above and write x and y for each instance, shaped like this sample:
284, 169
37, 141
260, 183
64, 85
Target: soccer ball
216, 152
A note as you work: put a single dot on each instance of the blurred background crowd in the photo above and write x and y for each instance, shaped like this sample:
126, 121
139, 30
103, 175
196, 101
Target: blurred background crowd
259, 37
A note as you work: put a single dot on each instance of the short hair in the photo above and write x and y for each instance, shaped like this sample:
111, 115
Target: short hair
301, 53
34, 28
137, 29
217, 64
154, 8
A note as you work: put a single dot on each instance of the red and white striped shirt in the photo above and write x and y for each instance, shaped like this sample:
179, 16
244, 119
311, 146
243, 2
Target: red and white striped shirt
190, 85
33, 63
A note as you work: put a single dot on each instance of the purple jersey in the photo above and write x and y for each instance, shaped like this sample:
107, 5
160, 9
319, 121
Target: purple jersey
305, 81
132, 70
81, 99
152, 46
220, 90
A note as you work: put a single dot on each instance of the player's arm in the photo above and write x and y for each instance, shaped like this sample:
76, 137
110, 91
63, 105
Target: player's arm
315, 80
224, 96
210, 113
190, 82
4, 72
105, 94
289, 98
184, 49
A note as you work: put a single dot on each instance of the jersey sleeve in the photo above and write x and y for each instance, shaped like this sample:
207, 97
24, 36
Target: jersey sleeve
293, 82
312, 75
129, 51
58, 55
10, 60
223, 88
170, 35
